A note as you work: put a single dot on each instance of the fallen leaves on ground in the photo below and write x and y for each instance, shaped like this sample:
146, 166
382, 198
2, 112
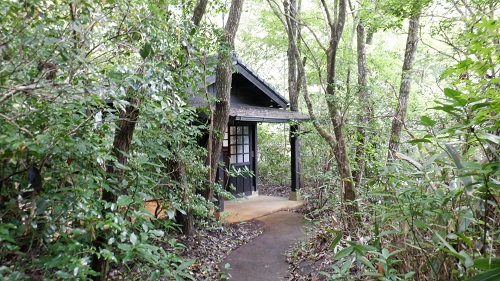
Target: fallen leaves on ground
274, 190
211, 247
208, 248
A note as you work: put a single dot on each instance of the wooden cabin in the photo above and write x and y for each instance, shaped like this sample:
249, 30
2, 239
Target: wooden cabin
253, 101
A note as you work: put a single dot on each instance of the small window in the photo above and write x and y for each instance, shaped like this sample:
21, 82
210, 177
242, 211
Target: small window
239, 137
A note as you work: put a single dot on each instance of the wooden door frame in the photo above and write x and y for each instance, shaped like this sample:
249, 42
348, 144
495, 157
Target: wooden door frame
252, 163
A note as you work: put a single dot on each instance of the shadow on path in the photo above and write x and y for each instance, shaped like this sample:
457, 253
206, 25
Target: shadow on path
262, 258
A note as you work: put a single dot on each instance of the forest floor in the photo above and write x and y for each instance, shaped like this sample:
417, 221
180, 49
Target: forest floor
213, 243
208, 247
211, 247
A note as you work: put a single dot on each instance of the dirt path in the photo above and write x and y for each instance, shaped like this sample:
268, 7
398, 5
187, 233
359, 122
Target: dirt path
262, 259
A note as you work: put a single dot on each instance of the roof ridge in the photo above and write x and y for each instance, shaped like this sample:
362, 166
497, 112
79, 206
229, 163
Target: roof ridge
239, 61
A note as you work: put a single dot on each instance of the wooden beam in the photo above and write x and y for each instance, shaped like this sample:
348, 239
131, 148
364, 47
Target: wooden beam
295, 151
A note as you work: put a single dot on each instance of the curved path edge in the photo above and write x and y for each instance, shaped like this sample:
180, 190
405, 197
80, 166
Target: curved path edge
263, 258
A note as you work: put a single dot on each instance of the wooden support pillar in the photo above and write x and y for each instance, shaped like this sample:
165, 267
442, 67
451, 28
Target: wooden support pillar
295, 166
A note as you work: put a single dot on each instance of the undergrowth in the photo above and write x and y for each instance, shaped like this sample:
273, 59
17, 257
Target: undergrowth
432, 216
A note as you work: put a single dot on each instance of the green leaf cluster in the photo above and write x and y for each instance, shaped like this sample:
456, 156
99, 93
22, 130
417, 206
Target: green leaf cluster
68, 71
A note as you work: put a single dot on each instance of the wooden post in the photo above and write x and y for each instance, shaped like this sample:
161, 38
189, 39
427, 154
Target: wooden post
295, 170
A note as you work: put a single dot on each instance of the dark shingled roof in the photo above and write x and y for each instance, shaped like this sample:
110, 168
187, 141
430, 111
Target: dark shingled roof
260, 83
241, 112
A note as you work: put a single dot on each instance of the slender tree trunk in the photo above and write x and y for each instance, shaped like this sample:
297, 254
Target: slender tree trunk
293, 91
365, 110
178, 174
177, 166
121, 147
337, 141
291, 16
404, 90
340, 146
223, 91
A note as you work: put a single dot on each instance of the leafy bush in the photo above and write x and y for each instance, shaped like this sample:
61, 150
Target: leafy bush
68, 70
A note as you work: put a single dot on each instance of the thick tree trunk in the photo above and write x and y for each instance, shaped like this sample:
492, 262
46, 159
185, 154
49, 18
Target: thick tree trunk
404, 90
121, 147
365, 109
223, 91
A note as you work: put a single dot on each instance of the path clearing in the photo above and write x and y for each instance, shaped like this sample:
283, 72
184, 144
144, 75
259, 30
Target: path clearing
262, 258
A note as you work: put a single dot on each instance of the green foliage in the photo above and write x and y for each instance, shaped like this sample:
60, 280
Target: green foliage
491, 267
435, 213
274, 154
438, 214
67, 70
389, 14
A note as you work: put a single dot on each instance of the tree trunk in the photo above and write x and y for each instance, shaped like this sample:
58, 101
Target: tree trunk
176, 165
121, 147
404, 90
178, 174
223, 91
199, 11
365, 110
340, 146
291, 17
293, 91
337, 141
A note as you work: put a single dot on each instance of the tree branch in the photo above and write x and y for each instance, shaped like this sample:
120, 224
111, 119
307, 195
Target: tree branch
16, 125
328, 16
302, 77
